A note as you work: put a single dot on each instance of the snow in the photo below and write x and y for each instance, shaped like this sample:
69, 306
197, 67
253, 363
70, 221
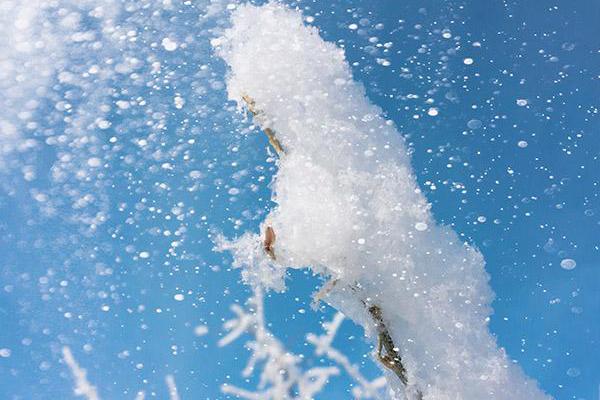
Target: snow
82, 387
349, 208
271, 357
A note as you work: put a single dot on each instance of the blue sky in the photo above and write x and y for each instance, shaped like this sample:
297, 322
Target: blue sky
510, 161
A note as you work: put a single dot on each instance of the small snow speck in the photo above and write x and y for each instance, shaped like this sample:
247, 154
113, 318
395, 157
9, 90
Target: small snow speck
421, 226
568, 264
94, 162
169, 45
179, 297
201, 330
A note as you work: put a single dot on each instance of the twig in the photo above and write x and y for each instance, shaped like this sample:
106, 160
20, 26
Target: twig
391, 359
251, 105
269, 242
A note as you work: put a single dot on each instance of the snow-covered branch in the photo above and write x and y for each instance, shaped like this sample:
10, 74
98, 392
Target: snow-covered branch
348, 206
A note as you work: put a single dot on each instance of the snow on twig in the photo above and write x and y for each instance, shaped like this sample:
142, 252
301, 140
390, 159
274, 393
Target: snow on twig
173, 393
82, 386
282, 376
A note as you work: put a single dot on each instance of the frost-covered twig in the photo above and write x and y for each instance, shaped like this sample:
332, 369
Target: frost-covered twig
85, 389
82, 386
281, 370
170, 381
260, 119
323, 346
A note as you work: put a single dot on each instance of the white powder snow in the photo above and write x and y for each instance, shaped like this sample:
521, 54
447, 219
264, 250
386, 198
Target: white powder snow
348, 206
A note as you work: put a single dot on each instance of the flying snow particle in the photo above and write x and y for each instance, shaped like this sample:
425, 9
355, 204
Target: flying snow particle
568, 264
179, 102
144, 254
522, 144
468, 61
179, 297
474, 124
432, 112
5, 353
522, 102
169, 45
94, 162
421, 226
353, 26
201, 330
103, 124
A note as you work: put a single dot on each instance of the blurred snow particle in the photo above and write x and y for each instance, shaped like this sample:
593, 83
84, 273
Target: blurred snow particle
353, 26
5, 353
522, 102
568, 264
94, 162
179, 297
201, 330
169, 45
103, 124
468, 61
179, 102
421, 226
144, 254
522, 144
474, 124
384, 62
432, 112
573, 372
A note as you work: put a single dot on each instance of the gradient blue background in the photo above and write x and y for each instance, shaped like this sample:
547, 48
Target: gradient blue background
540, 203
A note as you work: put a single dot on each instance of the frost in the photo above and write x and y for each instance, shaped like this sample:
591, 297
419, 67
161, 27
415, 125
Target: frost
348, 207
82, 385
281, 371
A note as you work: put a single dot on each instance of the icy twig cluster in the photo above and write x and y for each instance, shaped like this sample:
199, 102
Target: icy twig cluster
323, 347
282, 376
85, 389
